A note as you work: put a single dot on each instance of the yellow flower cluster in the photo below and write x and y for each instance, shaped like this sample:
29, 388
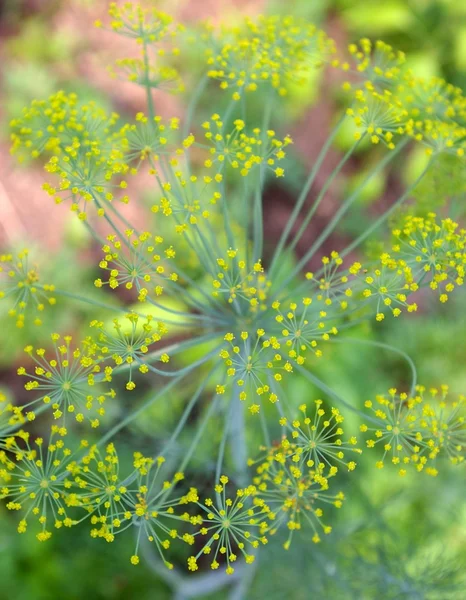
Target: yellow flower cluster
33, 478
135, 261
435, 252
254, 365
147, 139
302, 327
241, 150
413, 429
86, 148
65, 381
20, 285
228, 527
294, 494
245, 288
152, 29
315, 441
390, 102
188, 199
269, 50
142, 24
128, 343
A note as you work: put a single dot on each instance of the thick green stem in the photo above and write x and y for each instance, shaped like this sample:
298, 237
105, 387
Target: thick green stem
237, 439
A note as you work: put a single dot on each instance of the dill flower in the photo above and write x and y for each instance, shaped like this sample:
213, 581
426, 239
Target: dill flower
302, 327
229, 527
84, 144
317, 440
142, 24
379, 116
254, 365
294, 495
65, 382
262, 331
96, 487
244, 286
20, 283
128, 343
154, 509
270, 50
378, 63
446, 422
331, 284
116, 504
148, 138
188, 199
241, 150
433, 99
136, 261
398, 428
34, 481
436, 253
387, 286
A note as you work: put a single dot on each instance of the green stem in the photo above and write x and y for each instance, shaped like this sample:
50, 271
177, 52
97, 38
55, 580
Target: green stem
185, 416
200, 431
406, 357
150, 100
304, 192
320, 197
132, 416
339, 214
258, 220
386, 214
237, 439
332, 394
195, 97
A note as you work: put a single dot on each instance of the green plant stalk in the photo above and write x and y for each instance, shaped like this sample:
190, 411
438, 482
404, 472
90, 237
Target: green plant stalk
304, 192
194, 101
237, 438
387, 213
131, 249
388, 347
320, 197
339, 214
132, 416
258, 224
150, 99
213, 405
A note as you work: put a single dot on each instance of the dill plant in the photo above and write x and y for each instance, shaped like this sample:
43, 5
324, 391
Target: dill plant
257, 320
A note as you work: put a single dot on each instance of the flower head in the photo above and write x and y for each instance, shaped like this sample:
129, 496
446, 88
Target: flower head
268, 51
129, 342
294, 495
65, 381
316, 441
20, 283
137, 261
229, 527
34, 477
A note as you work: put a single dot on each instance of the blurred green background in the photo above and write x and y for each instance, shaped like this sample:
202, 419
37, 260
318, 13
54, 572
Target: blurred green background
395, 538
